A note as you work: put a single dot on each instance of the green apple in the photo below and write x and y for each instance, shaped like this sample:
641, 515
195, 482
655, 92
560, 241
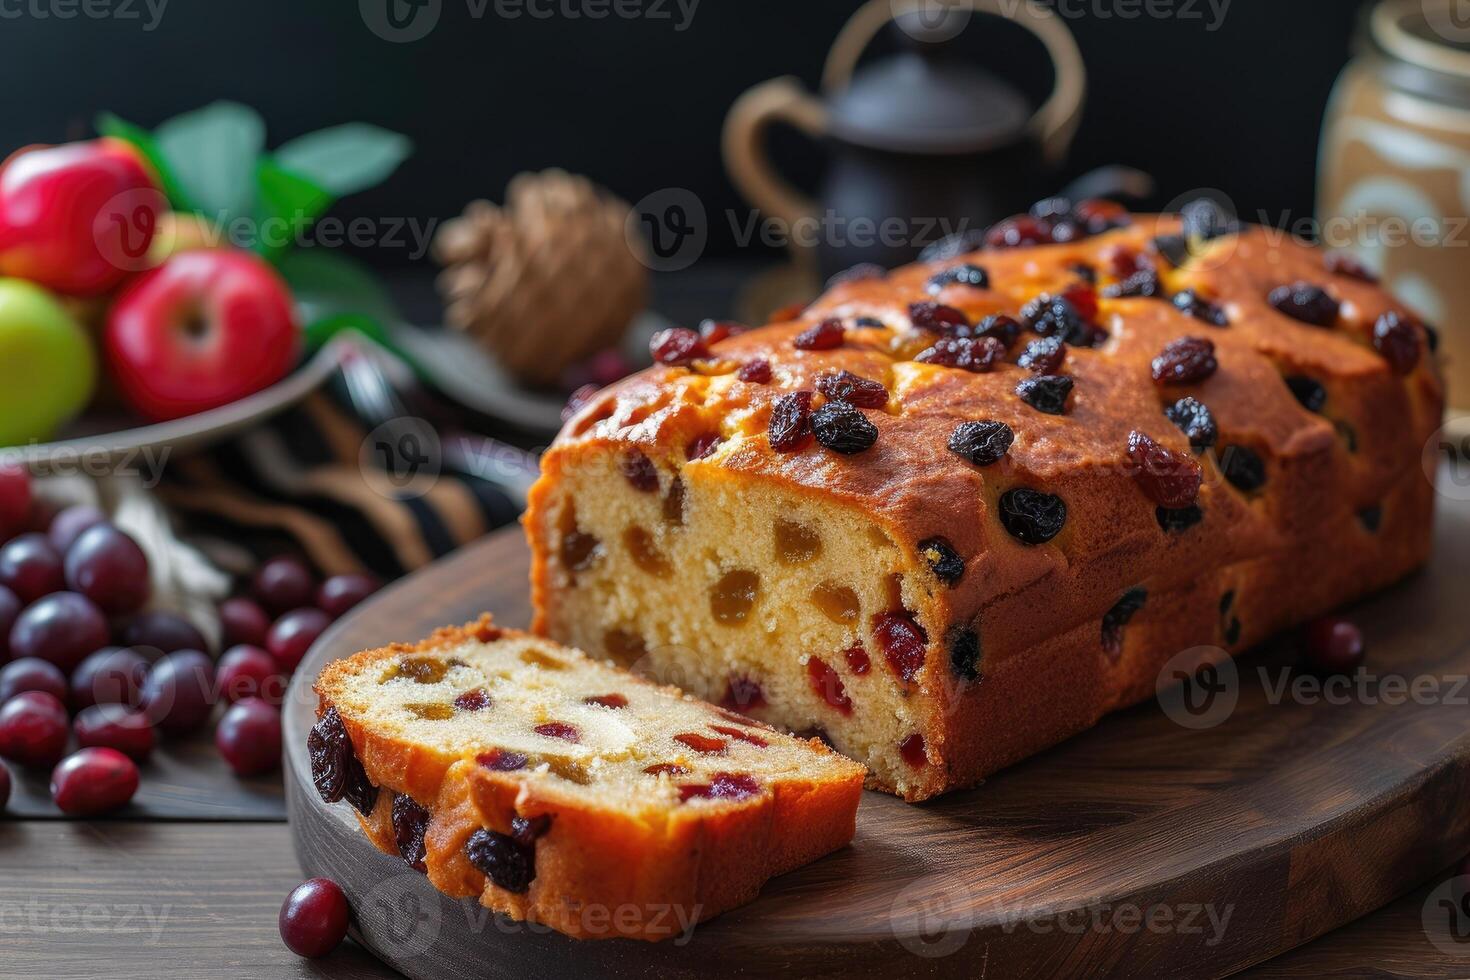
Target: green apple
47, 366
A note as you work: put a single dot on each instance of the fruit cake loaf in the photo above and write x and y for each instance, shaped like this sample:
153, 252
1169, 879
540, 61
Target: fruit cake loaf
949, 515
562, 790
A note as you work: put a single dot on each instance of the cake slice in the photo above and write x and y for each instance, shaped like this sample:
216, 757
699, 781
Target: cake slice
565, 791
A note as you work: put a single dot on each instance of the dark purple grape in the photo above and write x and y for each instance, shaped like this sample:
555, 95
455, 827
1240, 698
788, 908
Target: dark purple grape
293, 634
283, 584
341, 592
112, 675
178, 693
31, 567
69, 524
115, 726
313, 919
153, 634
63, 628
32, 674
108, 567
249, 737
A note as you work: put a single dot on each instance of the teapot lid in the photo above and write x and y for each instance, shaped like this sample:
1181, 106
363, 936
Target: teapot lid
925, 100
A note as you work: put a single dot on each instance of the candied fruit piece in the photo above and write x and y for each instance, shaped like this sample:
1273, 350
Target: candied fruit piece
1019, 231
559, 729
724, 786
613, 700
902, 641
837, 602
828, 685
912, 750
796, 544
420, 670
703, 744
824, 336
741, 735
564, 768
645, 553
639, 471
533, 657
734, 595
430, 712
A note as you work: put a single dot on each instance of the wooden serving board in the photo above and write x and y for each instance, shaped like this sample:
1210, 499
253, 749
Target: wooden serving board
1140, 848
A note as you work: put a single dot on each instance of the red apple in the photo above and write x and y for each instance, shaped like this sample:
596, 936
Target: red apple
77, 218
202, 330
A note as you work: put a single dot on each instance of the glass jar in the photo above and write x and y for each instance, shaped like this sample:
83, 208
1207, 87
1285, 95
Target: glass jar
1394, 167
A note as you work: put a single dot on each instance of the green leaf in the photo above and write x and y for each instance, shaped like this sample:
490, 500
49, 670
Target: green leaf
110, 125
345, 159
286, 205
212, 151
327, 283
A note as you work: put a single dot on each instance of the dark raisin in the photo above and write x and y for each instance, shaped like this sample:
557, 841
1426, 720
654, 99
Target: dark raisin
1046, 393
937, 318
1003, 328
1308, 391
959, 275
943, 559
525, 830
975, 354
858, 273
1195, 421
845, 386
1185, 361
1044, 355
1083, 271
1343, 264
1144, 282
410, 821
506, 862
871, 322
724, 786
1179, 518
828, 686
1173, 248
790, 428
1371, 518
1171, 480
951, 246
1205, 220
1232, 632
981, 443
964, 652
474, 700
639, 471
1243, 467
1305, 302
902, 641
824, 336
1051, 315
1019, 231
502, 760
677, 346
756, 371
701, 446
1190, 302
335, 769
843, 429
1117, 617
1031, 516
1396, 339
714, 331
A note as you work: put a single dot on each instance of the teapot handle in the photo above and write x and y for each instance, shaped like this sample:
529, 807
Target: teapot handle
780, 99
1055, 122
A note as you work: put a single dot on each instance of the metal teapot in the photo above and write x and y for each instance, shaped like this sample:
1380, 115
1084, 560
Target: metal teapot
921, 144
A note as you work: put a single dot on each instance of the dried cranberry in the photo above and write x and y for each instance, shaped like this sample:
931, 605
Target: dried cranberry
1046, 393
724, 786
1003, 328
1308, 391
1191, 303
335, 769
843, 429
981, 443
937, 318
1169, 479
714, 331
828, 685
912, 751
857, 273
977, 355
845, 386
958, 275
499, 857
1144, 282
824, 336
1031, 516
790, 428
1043, 355
1185, 361
1018, 231
1117, 617
1243, 468
1195, 421
613, 700
903, 642
756, 371
502, 760
1334, 645
476, 699
964, 652
1395, 338
558, 729
1178, 519
676, 346
857, 659
703, 744
1343, 264
410, 822
701, 446
1305, 302
741, 735
943, 560
639, 470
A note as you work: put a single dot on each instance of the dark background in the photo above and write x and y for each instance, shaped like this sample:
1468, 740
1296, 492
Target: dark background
638, 105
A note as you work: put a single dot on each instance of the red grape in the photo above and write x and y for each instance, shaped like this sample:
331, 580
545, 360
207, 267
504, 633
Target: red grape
156, 633
33, 729
249, 672
293, 634
108, 567
93, 781
32, 674
282, 584
15, 498
112, 675
178, 693
115, 726
243, 621
313, 919
62, 627
31, 567
69, 524
341, 592
249, 737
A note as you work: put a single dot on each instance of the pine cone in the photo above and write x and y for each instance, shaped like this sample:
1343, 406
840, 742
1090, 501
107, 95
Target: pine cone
545, 281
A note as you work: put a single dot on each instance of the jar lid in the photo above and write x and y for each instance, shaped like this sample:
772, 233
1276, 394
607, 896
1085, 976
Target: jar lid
1431, 37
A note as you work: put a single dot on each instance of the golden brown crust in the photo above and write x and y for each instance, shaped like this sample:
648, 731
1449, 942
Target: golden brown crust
1291, 549
600, 872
